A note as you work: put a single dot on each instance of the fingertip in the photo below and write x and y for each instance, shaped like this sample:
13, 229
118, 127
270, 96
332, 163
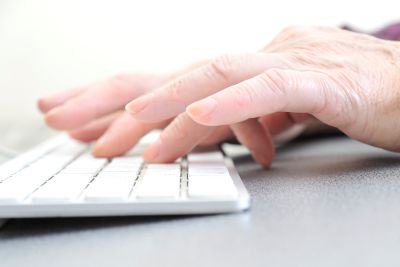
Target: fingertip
202, 108
66, 117
78, 136
155, 153
265, 165
56, 120
202, 111
101, 149
82, 135
264, 159
110, 145
98, 151
51, 119
136, 106
151, 153
43, 104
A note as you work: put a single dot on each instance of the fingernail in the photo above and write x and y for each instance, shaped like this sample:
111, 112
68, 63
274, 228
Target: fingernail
202, 108
51, 116
102, 140
99, 147
263, 159
152, 152
41, 103
137, 105
53, 112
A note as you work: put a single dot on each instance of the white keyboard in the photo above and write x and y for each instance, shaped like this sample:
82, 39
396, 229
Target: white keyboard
61, 179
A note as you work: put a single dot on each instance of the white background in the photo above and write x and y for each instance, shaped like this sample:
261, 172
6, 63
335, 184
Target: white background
47, 46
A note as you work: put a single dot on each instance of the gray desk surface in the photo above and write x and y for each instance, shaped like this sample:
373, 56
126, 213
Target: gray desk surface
332, 202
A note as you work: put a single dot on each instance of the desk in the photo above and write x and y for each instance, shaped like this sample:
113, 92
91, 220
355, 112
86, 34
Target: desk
331, 202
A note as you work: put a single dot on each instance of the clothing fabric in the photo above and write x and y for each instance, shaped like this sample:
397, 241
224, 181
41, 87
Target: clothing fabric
390, 32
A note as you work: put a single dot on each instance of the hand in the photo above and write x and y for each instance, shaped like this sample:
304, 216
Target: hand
96, 112
346, 80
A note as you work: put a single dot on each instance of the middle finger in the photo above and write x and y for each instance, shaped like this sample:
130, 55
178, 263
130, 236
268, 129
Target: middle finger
172, 99
177, 139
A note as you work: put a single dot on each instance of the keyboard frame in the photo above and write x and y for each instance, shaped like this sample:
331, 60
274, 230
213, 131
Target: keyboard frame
129, 207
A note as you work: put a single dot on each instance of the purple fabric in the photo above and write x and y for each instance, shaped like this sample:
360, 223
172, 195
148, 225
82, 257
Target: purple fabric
391, 32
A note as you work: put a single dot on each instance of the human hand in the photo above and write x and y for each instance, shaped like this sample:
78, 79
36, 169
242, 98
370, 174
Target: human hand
96, 112
346, 80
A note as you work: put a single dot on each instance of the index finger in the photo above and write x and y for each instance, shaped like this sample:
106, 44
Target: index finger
98, 100
172, 99
49, 102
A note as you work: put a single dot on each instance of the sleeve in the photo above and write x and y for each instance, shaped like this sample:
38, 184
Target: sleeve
389, 32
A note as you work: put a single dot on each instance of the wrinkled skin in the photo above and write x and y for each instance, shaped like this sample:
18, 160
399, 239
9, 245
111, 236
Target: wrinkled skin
347, 80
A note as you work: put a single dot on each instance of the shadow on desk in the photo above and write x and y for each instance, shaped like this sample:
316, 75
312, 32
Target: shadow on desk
21, 228
317, 158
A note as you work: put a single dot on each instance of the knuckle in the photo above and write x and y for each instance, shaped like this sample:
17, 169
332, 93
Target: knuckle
324, 107
294, 31
301, 57
390, 53
286, 35
223, 66
119, 80
243, 96
334, 109
276, 82
120, 83
290, 29
176, 89
338, 104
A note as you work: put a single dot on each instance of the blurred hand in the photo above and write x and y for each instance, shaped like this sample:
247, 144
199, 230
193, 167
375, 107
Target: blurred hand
96, 112
346, 80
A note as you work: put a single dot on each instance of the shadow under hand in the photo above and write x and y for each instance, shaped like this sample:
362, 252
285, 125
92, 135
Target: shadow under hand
297, 159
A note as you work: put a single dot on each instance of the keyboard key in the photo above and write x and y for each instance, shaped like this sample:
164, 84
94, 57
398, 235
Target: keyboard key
30, 174
220, 186
61, 188
91, 171
124, 164
17, 164
162, 170
203, 169
206, 157
10, 168
127, 160
155, 166
158, 187
110, 188
17, 188
45, 168
134, 167
69, 149
86, 161
85, 164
